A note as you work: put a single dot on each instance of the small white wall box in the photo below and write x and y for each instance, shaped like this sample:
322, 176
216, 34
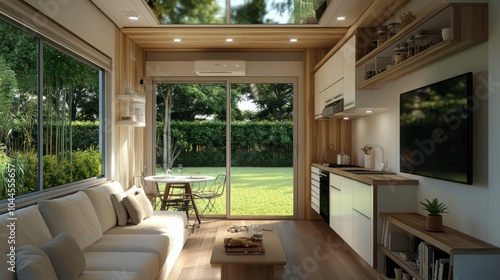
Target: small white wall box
219, 68
398, 241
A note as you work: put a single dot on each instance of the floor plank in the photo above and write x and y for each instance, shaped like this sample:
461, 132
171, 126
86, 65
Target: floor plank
313, 250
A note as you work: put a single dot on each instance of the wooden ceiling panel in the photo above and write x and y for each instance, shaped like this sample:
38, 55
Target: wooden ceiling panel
208, 38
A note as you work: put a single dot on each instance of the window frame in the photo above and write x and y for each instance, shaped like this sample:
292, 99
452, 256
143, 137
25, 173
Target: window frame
52, 34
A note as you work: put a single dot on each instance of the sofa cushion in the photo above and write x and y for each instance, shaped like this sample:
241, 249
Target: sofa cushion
120, 210
73, 214
28, 221
137, 204
33, 264
65, 255
100, 198
151, 243
145, 264
167, 223
142, 198
7, 267
134, 208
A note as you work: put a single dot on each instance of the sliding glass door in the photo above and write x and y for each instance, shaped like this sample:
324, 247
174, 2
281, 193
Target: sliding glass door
262, 150
243, 131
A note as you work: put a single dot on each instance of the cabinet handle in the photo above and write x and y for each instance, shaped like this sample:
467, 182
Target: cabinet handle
335, 188
345, 105
338, 96
361, 214
329, 100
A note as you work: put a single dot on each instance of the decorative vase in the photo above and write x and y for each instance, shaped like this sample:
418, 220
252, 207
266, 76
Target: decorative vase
446, 33
434, 223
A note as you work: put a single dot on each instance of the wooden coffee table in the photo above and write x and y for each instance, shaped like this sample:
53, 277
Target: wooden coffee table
270, 265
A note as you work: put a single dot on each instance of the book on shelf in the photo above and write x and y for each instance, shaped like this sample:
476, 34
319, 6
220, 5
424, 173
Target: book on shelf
387, 231
428, 260
443, 269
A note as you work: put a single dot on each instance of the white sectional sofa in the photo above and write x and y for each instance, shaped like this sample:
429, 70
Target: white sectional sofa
80, 236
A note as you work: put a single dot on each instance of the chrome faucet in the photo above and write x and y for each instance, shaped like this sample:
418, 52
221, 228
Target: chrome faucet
384, 163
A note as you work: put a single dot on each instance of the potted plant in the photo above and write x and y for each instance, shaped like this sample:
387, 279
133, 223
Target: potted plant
434, 221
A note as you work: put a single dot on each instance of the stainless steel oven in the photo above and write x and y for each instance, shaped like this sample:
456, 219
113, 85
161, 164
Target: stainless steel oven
324, 195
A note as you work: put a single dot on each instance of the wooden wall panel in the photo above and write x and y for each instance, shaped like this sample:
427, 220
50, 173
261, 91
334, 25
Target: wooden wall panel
129, 147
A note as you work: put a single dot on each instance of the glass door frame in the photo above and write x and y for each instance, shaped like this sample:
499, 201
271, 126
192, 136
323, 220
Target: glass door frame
151, 131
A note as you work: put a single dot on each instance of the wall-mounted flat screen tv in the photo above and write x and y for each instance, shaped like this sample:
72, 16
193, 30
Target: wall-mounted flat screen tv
436, 130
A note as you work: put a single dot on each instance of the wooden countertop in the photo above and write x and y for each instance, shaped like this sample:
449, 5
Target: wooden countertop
370, 179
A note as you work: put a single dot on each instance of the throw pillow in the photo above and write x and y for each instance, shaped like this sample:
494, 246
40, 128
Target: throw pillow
134, 208
33, 264
121, 211
145, 202
66, 256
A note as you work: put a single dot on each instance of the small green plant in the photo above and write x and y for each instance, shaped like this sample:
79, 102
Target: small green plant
434, 207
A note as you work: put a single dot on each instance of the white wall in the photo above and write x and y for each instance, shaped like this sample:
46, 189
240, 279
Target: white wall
472, 207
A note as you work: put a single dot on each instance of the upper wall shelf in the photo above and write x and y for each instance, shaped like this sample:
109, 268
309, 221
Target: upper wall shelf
469, 25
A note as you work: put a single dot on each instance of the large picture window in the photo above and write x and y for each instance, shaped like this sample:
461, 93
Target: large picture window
49, 107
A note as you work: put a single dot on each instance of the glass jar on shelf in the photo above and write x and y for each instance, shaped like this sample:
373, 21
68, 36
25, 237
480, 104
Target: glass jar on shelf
406, 18
421, 41
396, 57
403, 51
411, 46
381, 35
393, 28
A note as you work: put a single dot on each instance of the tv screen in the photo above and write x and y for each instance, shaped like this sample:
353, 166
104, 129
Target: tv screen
436, 130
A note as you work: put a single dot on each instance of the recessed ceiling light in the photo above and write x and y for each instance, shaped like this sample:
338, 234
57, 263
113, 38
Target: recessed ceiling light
340, 18
293, 40
369, 111
177, 39
346, 118
132, 15
229, 39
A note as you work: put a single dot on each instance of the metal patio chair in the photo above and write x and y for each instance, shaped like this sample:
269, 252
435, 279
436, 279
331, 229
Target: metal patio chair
211, 192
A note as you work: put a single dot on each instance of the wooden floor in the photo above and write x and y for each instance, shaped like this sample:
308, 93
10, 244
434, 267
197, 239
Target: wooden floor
313, 251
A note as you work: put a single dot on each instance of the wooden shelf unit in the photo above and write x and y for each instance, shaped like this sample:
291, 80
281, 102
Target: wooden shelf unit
469, 24
449, 240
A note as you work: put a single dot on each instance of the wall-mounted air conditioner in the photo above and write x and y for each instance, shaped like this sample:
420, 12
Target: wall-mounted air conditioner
219, 67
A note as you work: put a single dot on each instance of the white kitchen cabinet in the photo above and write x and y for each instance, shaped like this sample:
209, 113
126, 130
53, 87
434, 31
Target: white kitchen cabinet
362, 198
357, 220
349, 81
315, 189
346, 210
362, 220
323, 77
337, 90
335, 203
337, 62
328, 83
362, 240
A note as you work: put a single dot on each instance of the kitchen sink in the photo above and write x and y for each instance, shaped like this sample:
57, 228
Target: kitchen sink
365, 172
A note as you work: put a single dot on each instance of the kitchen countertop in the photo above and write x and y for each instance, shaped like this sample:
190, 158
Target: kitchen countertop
370, 179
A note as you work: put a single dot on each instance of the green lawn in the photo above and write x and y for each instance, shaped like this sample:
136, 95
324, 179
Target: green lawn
254, 190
